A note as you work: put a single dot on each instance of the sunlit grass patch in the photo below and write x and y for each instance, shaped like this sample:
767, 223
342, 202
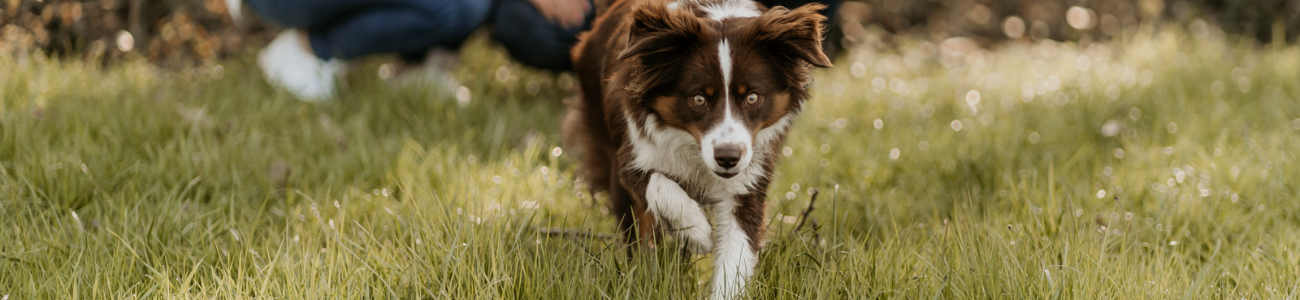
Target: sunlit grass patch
1160, 166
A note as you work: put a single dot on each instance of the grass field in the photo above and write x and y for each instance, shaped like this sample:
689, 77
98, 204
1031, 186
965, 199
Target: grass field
1160, 166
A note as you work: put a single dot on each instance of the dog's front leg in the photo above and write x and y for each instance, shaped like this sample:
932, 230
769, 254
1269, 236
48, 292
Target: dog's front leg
738, 234
686, 220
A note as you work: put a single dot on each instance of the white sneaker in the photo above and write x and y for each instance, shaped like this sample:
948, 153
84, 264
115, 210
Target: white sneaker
293, 68
234, 9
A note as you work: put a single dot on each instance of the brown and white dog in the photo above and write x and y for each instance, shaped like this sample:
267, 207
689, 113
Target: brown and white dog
685, 105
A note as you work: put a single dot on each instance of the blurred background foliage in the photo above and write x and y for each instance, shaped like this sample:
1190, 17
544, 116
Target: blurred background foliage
1079, 20
167, 32
180, 33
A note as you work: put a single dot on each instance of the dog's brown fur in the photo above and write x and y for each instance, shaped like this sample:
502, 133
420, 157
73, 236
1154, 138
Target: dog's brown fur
640, 58
695, 98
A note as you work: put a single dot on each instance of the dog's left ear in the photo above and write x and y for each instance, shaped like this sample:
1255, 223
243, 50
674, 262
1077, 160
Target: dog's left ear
794, 34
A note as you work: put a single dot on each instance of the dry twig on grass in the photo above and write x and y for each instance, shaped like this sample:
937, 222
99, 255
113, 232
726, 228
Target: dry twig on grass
575, 233
805, 217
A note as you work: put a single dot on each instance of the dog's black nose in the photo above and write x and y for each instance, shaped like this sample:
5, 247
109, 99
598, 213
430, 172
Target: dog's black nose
727, 156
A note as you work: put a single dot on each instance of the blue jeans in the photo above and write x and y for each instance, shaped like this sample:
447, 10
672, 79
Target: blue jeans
532, 39
353, 28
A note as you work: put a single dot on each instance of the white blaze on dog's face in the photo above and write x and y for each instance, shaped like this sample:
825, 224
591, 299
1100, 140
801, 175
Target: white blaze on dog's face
726, 148
723, 76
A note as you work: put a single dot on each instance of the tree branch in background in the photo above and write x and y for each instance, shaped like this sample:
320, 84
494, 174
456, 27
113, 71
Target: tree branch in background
134, 25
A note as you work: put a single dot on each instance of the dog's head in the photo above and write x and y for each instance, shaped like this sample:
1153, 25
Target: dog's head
723, 71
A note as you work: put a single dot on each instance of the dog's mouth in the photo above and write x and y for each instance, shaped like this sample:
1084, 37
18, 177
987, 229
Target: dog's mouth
726, 172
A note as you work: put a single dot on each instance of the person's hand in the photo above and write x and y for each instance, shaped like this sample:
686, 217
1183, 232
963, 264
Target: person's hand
568, 13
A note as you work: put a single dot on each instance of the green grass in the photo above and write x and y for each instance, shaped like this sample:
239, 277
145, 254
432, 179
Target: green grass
130, 181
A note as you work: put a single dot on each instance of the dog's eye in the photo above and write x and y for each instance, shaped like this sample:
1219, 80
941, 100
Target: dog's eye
751, 98
698, 100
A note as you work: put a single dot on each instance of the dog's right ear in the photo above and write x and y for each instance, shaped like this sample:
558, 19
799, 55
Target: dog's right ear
660, 32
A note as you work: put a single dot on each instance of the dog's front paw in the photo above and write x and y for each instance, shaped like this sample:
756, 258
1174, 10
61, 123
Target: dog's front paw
686, 219
697, 237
